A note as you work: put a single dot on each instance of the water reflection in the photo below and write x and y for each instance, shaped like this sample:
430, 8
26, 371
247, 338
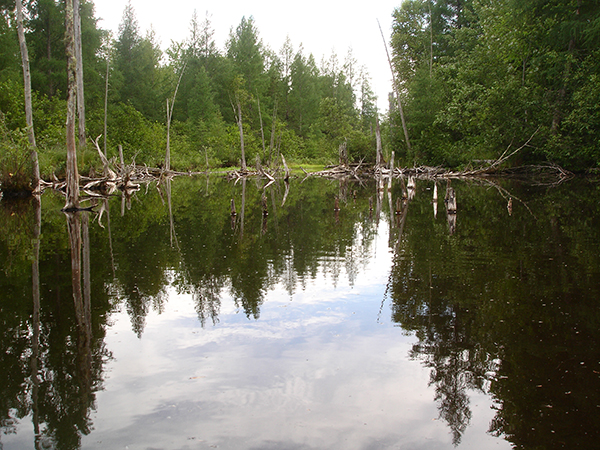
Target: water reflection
500, 305
51, 360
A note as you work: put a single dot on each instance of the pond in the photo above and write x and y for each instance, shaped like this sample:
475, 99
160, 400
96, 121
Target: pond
321, 315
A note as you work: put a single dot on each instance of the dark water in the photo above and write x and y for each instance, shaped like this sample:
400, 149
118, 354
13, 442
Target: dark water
162, 322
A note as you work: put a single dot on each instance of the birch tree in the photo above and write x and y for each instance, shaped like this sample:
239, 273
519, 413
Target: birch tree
79, 69
72, 172
27, 89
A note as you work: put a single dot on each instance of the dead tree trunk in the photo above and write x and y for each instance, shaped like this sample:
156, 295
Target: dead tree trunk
343, 153
241, 128
169, 118
27, 94
450, 200
272, 143
396, 91
243, 211
106, 97
81, 299
262, 133
265, 209
379, 155
168, 150
35, 318
26, 73
79, 78
287, 170
72, 172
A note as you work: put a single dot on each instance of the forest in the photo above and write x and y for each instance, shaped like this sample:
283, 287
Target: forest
472, 79
480, 76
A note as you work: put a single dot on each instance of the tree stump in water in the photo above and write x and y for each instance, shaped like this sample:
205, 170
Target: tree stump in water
265, 211
450, 200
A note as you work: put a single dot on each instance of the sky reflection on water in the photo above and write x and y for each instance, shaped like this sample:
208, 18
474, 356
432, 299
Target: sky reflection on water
307, 329
323, 368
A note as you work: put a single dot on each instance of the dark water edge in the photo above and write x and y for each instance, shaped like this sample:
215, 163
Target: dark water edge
346, 317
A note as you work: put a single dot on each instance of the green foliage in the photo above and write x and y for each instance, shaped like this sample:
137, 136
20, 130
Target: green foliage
480, 76
288, 104
136, 59
16, 168
46, 47
49, 121
140, 138
334, 123
11, 104
9, 50
360, 146
244, 48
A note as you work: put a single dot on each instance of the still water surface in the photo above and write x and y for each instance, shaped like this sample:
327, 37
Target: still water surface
386, 324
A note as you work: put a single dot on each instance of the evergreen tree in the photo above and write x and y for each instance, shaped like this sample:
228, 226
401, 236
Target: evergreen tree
46, 40
304, 96
136, 59
246, 52
9, 47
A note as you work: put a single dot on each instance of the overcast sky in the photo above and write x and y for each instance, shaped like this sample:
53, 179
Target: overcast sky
320, 26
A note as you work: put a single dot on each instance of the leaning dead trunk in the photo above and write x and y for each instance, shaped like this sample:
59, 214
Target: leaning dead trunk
72, 172
79, 77
27, 93
379, 155
26, 73
106, 98
396, 91
287, 170
169, 118
272, 142
262, 132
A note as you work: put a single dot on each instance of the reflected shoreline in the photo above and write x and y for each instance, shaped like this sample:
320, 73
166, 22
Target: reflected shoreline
474, 320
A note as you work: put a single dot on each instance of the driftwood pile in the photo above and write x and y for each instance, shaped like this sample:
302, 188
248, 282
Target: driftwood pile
261, 172
115, 176
128, 177
492, 168
341, 171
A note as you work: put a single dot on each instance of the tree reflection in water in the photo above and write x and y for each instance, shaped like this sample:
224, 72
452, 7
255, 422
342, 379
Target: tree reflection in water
503, 304
507, 304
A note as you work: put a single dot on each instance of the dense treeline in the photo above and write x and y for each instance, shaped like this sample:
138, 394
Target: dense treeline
474, 78
478, 75
276, 101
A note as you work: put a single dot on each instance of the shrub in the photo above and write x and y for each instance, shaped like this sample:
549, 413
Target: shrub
16, 168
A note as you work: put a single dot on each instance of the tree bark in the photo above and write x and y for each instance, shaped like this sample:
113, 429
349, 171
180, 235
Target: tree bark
79, 78
106, 100
396, 91
430, 40
26, 73
343, 153
379, 155
27, 95
272, 142
241, 128
262, 133
169, 118
168, 151
72, 172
